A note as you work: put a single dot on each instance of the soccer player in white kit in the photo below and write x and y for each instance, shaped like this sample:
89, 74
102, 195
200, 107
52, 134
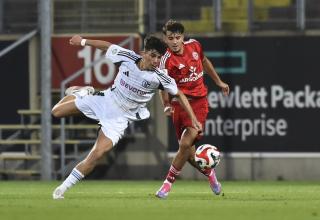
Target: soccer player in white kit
137, 80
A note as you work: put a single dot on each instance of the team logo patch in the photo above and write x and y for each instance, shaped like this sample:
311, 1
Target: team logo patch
195, 55
145, 84
114, 51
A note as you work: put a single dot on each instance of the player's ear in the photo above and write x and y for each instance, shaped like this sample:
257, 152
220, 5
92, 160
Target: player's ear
143, 52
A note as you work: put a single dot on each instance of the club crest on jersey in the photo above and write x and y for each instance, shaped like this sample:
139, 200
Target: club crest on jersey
114, 51
195, 55
145, 84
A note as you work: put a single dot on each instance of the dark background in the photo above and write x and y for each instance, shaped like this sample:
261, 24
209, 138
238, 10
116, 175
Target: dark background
291, 62
14, 82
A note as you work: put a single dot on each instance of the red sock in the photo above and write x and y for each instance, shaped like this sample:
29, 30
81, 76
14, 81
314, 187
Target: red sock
172, 174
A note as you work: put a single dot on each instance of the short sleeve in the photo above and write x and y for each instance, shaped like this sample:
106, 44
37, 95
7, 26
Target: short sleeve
168, 83
199, 48
163, 62
118, 54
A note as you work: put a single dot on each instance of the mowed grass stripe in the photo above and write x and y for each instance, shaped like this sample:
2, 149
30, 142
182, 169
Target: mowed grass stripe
132, 200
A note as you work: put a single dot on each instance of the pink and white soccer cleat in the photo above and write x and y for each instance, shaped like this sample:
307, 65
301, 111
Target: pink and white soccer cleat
163, 192
214, 183
216, 188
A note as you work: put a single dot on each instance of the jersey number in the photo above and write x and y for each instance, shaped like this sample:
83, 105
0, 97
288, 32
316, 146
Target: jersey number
103, 78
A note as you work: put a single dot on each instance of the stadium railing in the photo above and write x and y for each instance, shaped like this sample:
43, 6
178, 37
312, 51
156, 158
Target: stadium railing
20, 143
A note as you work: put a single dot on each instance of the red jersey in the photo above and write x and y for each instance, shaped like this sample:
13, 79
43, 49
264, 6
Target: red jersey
186, 69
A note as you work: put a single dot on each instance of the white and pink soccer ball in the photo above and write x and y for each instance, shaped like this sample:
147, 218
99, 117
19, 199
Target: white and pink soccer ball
207, 156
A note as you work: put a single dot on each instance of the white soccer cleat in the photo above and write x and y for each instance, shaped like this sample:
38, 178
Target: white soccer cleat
58, 192
79, 91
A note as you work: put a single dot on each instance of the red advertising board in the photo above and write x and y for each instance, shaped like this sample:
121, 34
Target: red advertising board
67, 59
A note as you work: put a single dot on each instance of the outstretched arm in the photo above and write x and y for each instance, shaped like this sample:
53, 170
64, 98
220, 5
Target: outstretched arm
186, 106
77, 40
209, 69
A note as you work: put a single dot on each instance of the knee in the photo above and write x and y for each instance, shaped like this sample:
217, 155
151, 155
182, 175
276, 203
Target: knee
184, 147
191, 156
56, 112
98, 153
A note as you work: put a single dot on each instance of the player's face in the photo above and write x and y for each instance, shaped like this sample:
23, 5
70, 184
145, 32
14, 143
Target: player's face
174, 41
152, 59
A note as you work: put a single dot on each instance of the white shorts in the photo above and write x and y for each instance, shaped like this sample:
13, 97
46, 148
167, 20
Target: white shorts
112, 118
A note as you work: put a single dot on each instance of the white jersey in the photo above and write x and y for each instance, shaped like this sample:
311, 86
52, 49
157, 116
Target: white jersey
133, 87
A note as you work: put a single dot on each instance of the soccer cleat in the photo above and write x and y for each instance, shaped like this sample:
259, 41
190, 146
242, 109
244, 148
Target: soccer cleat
163, 192
80, 91
216, 188
214, 183
58, 192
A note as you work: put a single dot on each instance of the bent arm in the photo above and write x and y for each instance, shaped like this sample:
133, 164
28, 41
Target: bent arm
100, 44
209, 69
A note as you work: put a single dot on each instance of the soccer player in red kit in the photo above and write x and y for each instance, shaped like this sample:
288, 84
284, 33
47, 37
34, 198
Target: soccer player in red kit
186, 63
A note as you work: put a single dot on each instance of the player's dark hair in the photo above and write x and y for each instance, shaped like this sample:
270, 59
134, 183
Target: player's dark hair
173, 26
154, 43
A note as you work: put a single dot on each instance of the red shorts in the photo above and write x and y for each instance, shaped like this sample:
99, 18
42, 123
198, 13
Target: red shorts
181, 119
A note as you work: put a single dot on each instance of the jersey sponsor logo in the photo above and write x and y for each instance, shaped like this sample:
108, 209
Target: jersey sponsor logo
193, 77
193, 71
145, 84
131, 88
195, 55
181, 66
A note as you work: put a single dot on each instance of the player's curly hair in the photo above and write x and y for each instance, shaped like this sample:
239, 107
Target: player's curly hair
173, 26
154, 43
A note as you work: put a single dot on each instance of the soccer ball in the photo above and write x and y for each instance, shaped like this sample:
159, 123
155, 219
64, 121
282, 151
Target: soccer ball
207, 156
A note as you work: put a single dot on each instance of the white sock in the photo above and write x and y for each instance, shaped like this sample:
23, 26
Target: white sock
81, 93
76, 95
74, 177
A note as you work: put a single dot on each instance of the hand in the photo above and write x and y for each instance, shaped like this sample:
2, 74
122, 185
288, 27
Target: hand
198, 126
75, 40
224, 88
168, 110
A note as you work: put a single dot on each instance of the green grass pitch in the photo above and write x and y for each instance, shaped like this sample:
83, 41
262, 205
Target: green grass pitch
132, 200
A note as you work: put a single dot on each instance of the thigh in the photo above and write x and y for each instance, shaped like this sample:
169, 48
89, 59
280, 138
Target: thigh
114, 125
66, 107
92, 106
112, 118
103, 143
188, 137
201, 109
182, 119
99, 149
176, 119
